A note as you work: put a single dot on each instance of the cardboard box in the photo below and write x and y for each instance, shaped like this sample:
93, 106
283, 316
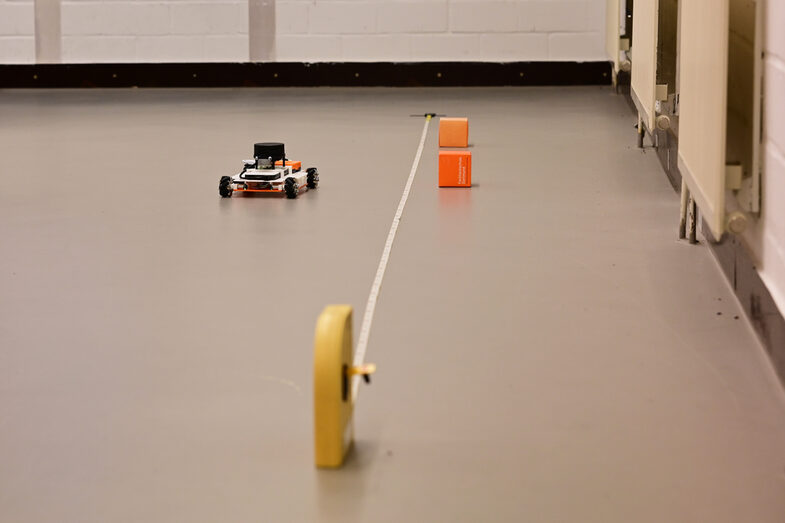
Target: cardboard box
455, 168
453, 132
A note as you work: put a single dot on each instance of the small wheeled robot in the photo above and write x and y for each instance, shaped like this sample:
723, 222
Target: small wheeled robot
270, 171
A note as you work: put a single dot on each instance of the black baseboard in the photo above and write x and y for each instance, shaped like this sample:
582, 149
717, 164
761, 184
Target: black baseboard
736, 262
297, 74
668, 152
623, 79
754, 297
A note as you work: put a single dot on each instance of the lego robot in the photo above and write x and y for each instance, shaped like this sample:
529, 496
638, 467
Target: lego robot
270, 172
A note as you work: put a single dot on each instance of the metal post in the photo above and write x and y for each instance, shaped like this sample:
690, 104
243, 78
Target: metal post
685, 194
693, 221
640, 132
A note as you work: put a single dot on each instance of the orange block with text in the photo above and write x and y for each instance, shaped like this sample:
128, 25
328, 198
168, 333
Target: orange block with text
455, 168
453, 132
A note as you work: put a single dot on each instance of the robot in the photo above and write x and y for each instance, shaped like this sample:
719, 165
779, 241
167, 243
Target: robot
270, 172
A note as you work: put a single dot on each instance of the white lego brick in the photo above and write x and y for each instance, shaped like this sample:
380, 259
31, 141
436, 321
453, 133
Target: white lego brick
446, 47
559, 16
377, 48
226, 48
114, 18
17, 18
513, 47
17, 49
291, 17
99, 49
308, 48
170, 48
576, 46
481, 16
209, 18
339, 18
413, 17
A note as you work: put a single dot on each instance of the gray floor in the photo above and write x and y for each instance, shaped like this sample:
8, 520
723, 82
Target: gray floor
547, 350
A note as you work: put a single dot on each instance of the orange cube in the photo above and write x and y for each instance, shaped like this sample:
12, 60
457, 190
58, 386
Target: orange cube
455, 168
454, 132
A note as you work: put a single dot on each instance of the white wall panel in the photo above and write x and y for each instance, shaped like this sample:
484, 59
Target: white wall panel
703, 101
612, 24
644, 64
766, 235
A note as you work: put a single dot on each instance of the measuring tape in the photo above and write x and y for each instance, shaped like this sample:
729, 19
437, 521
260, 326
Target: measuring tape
336, 375
373, 297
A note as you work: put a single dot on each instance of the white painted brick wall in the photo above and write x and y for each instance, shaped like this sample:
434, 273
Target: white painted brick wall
338, 17
154, 30
291, 17
439, 30
308, 48
216, 18
575, 46
16, 18
226, 48
562, 16
472, 16
436, 30
98, 48
376, 48
446, 47
17, 31
514, 46
413, 17
113, 18
314, 30
17, 49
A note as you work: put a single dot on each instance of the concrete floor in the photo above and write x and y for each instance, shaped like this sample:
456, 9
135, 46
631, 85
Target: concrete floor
547, 350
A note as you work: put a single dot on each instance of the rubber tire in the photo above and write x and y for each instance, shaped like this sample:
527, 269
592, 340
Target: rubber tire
290, 188
224, 188
313, 177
